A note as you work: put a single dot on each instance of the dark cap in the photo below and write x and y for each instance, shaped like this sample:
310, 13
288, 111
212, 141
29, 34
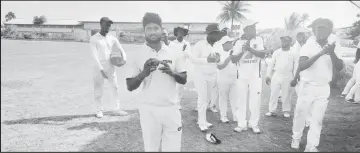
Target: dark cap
288, 38
178, 28
212, 28
106, 19
321, 22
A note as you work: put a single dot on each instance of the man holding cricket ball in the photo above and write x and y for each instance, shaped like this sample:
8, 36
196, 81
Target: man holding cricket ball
158, 69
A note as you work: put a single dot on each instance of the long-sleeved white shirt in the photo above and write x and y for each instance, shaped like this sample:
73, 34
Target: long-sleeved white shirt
102, 47
200, 52
284, 63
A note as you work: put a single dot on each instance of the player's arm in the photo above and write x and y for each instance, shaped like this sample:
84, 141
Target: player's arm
261, 52
271, 66
222, 64
94, 52
119, 47
337, 62
179, 73
134, 82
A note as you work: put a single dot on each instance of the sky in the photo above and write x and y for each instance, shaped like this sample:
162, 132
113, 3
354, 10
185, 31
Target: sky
270, 14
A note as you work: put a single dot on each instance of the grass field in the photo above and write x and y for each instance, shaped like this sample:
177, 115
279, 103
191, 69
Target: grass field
47, 105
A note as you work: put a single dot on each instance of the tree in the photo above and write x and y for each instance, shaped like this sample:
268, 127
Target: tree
355, 30
9, 16
39, 20
233, 11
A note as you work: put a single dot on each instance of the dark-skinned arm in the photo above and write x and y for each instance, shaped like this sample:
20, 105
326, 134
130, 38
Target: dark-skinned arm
337, 63
134, 83
261, 53
223, 65
180, 78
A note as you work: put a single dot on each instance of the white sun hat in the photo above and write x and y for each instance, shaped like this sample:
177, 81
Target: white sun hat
246, 23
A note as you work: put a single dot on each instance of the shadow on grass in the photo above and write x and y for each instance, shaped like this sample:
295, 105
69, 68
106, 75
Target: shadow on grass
56, 120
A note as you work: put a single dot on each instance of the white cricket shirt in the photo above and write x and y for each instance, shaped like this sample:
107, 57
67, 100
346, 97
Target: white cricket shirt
229, 73
200, 52
101, 46
321, 72
249, 66
158, 89
283, 62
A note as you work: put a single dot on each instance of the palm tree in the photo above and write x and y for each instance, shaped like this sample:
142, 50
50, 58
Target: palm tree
233, 11
304, 18
9, 16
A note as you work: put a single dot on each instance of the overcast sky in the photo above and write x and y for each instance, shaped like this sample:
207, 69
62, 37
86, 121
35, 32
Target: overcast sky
270, 14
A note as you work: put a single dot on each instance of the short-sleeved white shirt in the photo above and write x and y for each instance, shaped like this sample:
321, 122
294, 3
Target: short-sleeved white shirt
179, 46
249, 65
158, 89
103, 45
229, 73
321, 72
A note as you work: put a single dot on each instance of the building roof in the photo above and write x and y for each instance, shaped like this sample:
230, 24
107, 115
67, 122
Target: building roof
48, 22
168, 22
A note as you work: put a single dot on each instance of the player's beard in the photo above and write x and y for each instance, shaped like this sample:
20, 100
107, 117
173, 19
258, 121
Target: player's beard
180, 39
153, 41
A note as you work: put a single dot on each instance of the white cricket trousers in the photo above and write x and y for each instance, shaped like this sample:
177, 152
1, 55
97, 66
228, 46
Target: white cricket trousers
348, 86
99, 85
249, 91
280, 83
228, 91
315, 99
161, 128
206, 86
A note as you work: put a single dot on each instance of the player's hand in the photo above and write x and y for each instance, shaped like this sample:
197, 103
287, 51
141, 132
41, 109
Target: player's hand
268, 80
328, 48
104, 74
150, 66
293, 83
166, 69
246, 46
217, 57
184, 47
211, 58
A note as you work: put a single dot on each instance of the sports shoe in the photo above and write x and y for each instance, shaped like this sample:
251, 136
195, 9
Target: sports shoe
307, 123
203, 128
213, 109
224, 119
99, 114
240, 129
311, 149
295, 143
255, 129
209, 125
269, 114
342, 95
286, 114
122, 113
195, 109
235, 119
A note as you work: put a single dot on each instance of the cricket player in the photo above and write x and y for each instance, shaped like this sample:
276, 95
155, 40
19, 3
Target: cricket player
284, 63
205, 58
101, 46
318, 58
249, 53
350, 97
183, 47
158, 69
227, 79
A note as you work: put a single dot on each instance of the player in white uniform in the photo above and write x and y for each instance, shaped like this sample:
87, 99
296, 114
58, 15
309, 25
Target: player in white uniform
350, 97
249, 52
204, 59
158, 69
284, 63
227, 79
318, 58
102, 46
183, 47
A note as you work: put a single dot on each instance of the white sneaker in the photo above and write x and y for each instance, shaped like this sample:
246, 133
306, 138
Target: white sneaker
295, 143
203, 128
311, 149
214, 110
224, 119
122, 113
269, 114
307, 123
240, 129
286, 114
255, 129
209, 125
99, 114
196, 109
235, 119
